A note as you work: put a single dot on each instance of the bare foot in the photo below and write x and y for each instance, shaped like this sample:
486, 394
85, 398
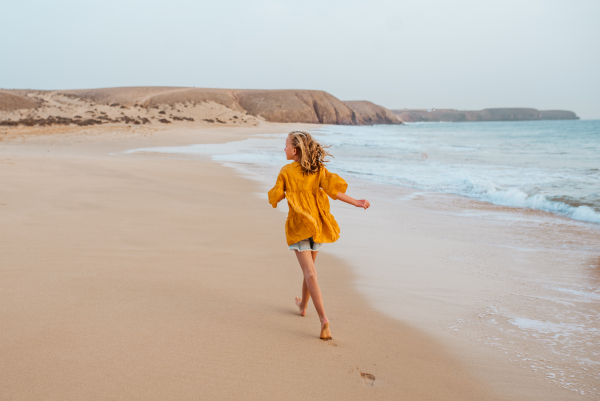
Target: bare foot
300, 307
325, 333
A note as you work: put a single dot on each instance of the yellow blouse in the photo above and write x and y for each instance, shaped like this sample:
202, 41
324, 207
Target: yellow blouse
308, 214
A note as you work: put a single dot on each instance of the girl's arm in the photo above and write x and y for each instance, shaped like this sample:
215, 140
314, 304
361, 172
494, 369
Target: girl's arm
277, 193
358, 203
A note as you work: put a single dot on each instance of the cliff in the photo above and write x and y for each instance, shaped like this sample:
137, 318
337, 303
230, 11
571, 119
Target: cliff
497, 114
286, 106
368, 113
558, 115
295, 106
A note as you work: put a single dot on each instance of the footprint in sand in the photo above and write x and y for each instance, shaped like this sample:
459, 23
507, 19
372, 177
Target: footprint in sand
368, 379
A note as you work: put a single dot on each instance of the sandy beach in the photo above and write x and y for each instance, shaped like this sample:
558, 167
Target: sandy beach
152, 276
141, 258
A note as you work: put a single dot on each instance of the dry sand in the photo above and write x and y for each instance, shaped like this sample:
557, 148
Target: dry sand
161, 277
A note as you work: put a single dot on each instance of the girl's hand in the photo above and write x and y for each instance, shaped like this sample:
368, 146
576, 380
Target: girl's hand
351, 201
362, 203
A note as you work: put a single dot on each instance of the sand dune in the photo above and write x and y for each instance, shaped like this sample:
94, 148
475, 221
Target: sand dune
153, 96
137, 106
12, 101
296, 106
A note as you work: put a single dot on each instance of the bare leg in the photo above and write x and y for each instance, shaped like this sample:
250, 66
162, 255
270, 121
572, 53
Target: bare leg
302, 303
310, 278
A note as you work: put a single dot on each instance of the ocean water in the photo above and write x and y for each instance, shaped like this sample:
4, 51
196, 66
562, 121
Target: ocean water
552, 166
547, 165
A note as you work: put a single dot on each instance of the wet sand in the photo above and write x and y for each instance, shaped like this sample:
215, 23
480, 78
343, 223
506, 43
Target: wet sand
488, 281
162, 277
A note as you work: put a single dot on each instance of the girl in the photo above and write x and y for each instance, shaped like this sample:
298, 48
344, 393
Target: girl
309, 225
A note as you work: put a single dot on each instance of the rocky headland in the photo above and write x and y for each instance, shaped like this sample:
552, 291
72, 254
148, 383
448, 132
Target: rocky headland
371, 114
165, 105
497, 114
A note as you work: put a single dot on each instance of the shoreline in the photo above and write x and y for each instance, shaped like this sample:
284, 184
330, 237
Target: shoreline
460, 261
137, 277
500, 193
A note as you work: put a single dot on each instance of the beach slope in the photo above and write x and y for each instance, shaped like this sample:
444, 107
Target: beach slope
147, 277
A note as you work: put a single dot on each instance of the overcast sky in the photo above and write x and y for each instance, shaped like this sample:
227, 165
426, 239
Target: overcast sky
400, 54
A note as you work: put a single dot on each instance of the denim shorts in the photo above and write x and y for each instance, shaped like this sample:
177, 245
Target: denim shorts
306, 245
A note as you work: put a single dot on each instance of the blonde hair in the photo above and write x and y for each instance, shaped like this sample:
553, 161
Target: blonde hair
311, 154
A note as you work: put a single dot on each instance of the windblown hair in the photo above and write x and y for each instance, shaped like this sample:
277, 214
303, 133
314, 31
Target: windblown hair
311, 154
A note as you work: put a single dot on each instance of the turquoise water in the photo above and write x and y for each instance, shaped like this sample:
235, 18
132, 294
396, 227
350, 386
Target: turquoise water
547, 165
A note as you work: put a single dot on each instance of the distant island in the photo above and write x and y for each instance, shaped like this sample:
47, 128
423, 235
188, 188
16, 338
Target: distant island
497, 114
